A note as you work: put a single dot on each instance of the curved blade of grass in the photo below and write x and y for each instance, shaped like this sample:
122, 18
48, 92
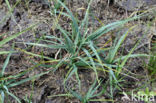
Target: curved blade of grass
69, 42
48, 46
113, 75
86, 16
7, 52
131, 51
75, 94
64, 14
95, 52
78, 79
33, 54
76, 27
72, 70
15, 35
2, 96
27, 79
91, 91
92, 62
130, 56
12, 95
113, 51
8, 4
53, 42
109, 27
94, 90
54, 37
111, 85
60, 95
101, 92
5, 64
84, 27
59, 64
83, 62
10, 10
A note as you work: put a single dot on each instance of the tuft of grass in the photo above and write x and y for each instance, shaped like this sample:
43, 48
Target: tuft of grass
81, 50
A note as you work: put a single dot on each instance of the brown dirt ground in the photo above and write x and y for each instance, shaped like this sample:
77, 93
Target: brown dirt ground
52, 83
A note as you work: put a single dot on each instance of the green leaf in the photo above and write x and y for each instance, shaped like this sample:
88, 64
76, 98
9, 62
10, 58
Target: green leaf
27, 79
48, 46
92, 62
7, 52
114, 49
2, 96
95, 52
72, 70
4, 41
69, 44
5, 64
75, 24
75, 94
130, 56
108, 28
12, 95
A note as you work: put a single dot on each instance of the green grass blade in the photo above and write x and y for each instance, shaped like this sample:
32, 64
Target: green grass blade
82, 62
64, 14
48, 46
62, 61
77, 77
92, 62
95, 52
72, 17
90, 91
54, 37
35, 55
113, 75
27, 79
114, 50
12, 95
2, 96
109, 27
86, 16
8, 4
130, 56
72, 70
7, 52
15, 35
111, 85
5, 64
60, 95
131, 51
75, 94
69, 42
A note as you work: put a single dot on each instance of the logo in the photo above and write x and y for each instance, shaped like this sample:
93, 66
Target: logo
140, 96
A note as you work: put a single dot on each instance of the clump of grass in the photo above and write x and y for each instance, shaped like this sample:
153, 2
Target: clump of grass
81, 50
